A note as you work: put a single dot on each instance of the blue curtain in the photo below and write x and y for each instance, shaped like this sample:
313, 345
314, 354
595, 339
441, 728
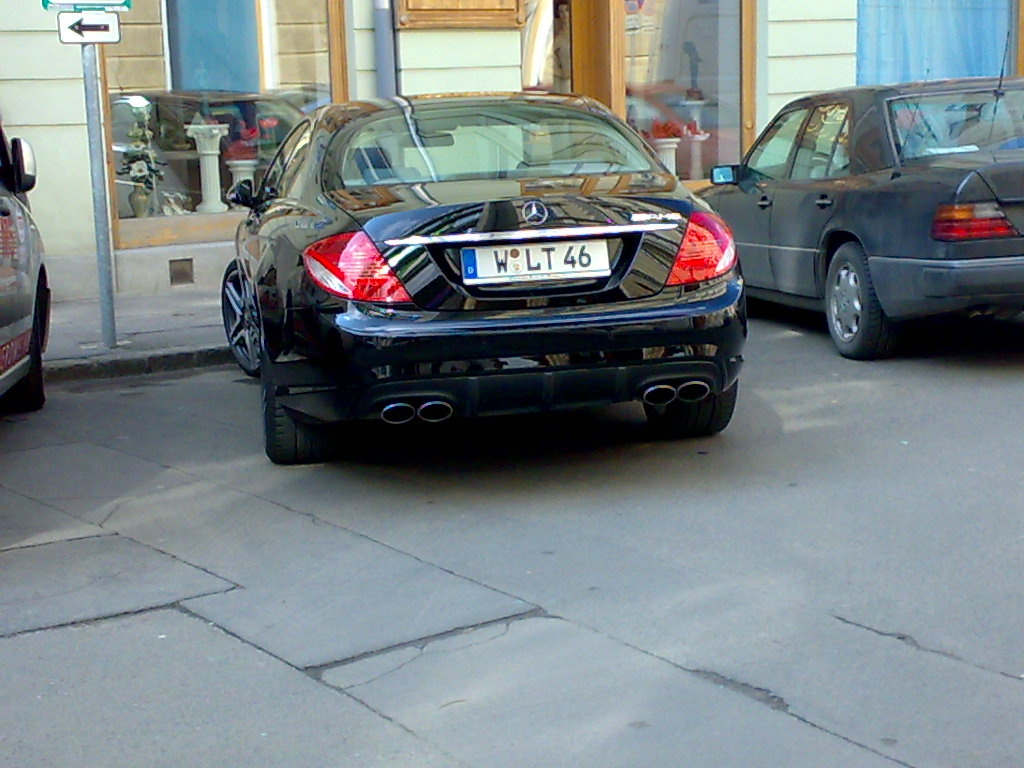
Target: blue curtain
214, 45
901, 40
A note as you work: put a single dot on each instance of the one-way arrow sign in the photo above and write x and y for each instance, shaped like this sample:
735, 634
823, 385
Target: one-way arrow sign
89, 27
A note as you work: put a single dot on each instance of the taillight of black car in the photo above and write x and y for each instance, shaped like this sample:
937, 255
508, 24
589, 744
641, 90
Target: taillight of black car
707, 251
350, 266
972, 221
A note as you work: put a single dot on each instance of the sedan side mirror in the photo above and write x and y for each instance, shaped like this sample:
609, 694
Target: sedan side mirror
24, 161
241, 194
725, 174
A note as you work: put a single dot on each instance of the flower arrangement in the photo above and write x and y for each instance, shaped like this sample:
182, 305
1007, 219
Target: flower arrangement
139, 161
666, 129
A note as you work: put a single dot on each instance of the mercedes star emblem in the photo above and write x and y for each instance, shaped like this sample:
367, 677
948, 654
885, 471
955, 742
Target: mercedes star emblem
535, 212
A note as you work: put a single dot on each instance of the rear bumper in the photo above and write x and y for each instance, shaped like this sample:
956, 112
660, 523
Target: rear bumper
910, 288
489, 365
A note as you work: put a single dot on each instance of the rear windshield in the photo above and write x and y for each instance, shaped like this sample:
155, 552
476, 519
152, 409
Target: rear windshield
947, 123
444, 143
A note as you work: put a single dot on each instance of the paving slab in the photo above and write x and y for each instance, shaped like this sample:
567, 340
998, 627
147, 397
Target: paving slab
27, 523
164, 690
73, 581
544, 692
311, 593
83, 479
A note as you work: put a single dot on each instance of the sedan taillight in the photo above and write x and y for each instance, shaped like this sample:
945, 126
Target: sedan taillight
350, 266
707, 250
975, 221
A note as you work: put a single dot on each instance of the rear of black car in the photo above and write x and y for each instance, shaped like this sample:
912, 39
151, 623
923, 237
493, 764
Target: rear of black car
513, 293
959, 241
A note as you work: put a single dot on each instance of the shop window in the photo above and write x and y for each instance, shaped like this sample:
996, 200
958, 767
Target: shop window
903, 40
237, 75
547, 46
683, 78
459, 13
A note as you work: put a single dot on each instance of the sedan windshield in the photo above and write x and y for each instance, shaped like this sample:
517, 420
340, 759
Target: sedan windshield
450, 142
946, 123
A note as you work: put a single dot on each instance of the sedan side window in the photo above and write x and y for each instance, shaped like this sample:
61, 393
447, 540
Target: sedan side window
818, 153
769, 157
274, 177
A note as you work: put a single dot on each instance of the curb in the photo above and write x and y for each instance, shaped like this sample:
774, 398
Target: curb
115, 365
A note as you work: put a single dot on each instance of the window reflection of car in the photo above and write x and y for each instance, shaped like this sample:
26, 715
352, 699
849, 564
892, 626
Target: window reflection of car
24, 292
257, 124
881, 204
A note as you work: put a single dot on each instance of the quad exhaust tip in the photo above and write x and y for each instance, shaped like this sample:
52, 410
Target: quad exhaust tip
692, 391
435, 411
432, 411
688, 391
398, 413
659, 394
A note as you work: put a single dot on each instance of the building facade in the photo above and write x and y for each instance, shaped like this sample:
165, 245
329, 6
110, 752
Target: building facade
227, 79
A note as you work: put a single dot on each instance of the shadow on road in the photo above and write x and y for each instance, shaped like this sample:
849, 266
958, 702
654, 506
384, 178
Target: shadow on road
976, 341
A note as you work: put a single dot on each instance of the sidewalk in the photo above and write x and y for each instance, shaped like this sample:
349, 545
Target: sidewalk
177, 330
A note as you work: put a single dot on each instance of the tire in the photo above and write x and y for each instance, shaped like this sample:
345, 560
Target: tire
857, 323
286, 440
29, 394
241, 319
701, 418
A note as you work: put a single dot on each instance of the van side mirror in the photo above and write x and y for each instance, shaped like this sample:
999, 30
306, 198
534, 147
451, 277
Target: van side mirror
241, 194
24, 161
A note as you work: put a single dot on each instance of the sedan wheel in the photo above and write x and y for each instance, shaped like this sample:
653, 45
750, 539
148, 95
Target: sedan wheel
29, 394
858, 325
287, 440
241, 319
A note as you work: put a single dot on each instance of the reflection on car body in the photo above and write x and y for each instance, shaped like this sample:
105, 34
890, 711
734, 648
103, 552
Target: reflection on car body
484, 255
880, 204
257, 124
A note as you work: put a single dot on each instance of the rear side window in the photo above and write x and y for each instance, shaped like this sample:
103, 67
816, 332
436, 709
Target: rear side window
6, 168
444, 143
822, 151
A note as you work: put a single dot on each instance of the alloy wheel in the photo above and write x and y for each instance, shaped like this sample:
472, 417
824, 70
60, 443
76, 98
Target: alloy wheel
241, 319
845, 303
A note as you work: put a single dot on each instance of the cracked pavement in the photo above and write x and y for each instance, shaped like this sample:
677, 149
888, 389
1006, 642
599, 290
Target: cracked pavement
833, 581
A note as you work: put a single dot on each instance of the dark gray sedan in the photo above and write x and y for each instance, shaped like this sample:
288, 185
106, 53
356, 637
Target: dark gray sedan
880, 204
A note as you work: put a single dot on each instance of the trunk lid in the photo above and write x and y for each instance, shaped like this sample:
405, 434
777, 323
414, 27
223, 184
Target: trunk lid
511, 244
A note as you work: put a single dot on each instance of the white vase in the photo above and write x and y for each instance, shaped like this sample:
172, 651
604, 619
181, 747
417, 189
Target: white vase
666, 149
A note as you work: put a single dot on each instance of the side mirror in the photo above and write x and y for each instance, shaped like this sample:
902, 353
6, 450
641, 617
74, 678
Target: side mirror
242, 194
24, 161
725, 174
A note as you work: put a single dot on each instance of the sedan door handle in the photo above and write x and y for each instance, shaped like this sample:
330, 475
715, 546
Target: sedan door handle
823, 202
4, 209
764, 202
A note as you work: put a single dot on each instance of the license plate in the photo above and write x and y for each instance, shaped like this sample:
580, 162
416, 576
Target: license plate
561, 260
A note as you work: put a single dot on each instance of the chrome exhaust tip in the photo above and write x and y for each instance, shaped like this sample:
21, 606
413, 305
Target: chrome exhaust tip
434, 411
692, 391
398, 413
659, 394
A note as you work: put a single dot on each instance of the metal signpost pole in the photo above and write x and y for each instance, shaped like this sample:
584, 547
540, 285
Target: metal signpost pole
86, 24
100, 198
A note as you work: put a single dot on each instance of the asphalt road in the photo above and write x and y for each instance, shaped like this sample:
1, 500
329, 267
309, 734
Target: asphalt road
833, 581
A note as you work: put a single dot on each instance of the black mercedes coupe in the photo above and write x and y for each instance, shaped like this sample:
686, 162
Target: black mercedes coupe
423, 258
882, 204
